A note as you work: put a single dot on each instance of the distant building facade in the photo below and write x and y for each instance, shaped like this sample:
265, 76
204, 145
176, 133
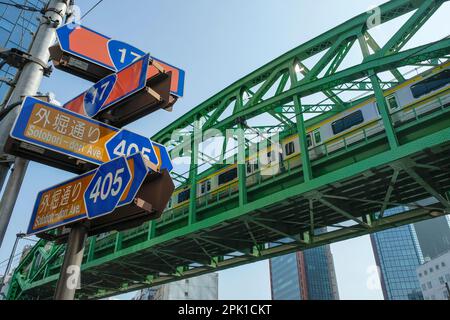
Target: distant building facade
205, 287
434, 278
17, 28
398, 254
400, 251
433, 236
307, 275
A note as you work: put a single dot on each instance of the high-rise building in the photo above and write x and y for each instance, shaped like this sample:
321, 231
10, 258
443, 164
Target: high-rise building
398, 254
434, 278
205, 287
433, 236
400, 251
17, 27
307, 275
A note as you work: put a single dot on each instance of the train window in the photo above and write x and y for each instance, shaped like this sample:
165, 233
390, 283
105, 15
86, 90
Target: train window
205, 187
169, 205
392, 102
431, 84
309, 140
289, 148
184, 195
228, 176
252, 167
347, 122
317, 137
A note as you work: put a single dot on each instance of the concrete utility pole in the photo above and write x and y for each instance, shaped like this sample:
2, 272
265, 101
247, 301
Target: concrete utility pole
28, 85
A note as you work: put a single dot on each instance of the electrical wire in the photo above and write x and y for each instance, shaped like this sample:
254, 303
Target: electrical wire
92, 8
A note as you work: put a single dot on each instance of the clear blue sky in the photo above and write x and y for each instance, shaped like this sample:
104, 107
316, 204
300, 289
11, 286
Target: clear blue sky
218, 42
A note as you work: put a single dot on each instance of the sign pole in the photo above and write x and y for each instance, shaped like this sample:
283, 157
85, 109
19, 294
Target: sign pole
70, 275
28, 85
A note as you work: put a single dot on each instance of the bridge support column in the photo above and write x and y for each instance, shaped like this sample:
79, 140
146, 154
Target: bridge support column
151, 230
242, 170
90, 256
118, 244
384, 110
301, 129
193, 172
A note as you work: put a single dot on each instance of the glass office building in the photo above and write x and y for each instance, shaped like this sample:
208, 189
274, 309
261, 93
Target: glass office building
307, 275
17, 27
400, 251
433, 236
398, 254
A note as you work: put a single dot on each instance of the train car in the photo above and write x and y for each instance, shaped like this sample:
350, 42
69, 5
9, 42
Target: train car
413, 98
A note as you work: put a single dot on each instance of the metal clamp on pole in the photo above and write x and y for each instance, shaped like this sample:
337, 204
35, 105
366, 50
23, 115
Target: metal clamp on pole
18, 59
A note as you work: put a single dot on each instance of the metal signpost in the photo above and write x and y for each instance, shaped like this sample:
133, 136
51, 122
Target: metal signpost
117, 195
27, 84
125, 178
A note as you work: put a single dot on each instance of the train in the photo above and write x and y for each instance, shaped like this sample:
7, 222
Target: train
412, 98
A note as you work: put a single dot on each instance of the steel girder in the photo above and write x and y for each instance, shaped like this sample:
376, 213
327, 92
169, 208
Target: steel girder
335, 44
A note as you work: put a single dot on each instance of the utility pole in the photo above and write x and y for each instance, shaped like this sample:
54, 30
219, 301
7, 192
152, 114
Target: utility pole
11, 258
70, 274
28, 85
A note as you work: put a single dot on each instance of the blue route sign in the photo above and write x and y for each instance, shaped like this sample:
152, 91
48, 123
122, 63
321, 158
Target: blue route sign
122, 54
165, 161
139, 171
91, 195
63, 132
107, 187
126, 143
97, 95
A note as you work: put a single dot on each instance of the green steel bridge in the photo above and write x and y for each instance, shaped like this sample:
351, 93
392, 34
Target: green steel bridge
404, 164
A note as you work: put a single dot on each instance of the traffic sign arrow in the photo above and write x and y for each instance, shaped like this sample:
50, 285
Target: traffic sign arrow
127, 143
139, 169
90, 196
92, 55
62, 138
111, 89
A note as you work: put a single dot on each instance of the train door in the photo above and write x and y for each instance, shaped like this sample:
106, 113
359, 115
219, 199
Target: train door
317, 143
394, 108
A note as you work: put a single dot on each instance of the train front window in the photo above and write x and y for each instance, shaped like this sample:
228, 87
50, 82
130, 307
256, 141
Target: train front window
431, 84
392, 102
347, 122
